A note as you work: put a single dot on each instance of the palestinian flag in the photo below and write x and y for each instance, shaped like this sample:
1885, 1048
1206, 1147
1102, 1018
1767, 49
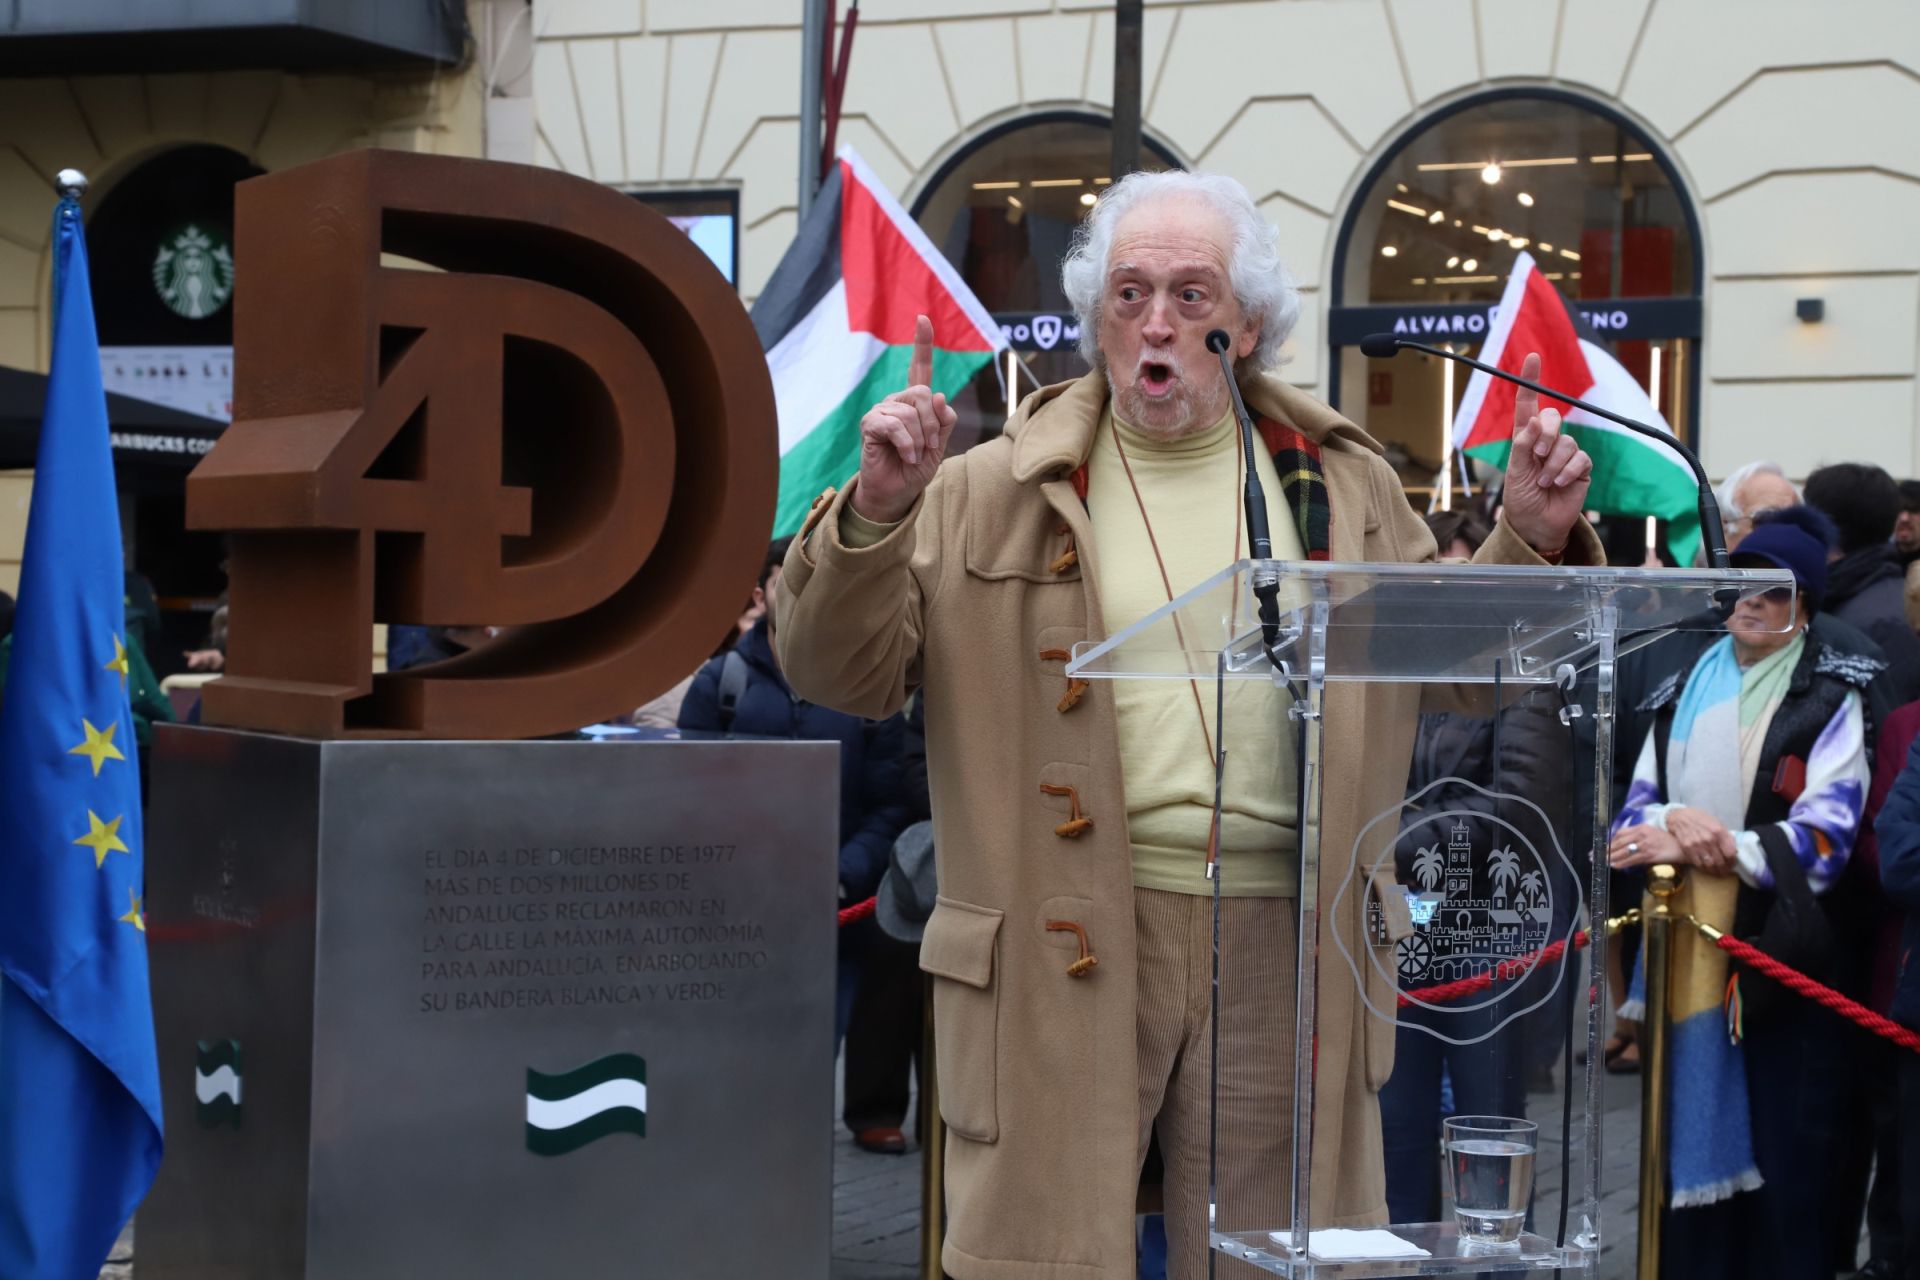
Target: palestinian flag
836, 320
568, 1110
1632, 475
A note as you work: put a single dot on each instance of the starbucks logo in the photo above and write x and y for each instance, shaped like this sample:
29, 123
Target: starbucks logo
193, 273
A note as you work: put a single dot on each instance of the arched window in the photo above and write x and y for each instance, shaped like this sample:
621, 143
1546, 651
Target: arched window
1004, 211
1429, 241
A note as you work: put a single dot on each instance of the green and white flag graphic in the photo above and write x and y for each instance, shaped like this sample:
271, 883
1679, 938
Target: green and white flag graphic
567, 1111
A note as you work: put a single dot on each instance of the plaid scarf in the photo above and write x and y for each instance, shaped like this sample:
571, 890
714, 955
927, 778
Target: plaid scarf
1302, 482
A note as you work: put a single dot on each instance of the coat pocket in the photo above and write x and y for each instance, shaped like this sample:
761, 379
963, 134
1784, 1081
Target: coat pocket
958, 950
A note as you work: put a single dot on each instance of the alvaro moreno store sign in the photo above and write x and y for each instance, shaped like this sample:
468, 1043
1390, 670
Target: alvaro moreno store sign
1630, 318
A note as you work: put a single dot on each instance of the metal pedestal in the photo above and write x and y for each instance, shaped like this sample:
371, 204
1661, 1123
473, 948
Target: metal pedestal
491, 1009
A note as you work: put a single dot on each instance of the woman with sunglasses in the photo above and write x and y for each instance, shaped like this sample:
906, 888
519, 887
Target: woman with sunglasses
1753, 778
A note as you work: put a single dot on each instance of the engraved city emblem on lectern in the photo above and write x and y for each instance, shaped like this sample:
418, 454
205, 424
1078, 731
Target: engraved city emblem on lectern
1446, 906
479, 396
1470, 911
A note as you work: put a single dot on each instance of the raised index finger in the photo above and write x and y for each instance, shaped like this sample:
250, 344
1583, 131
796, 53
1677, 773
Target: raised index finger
920, 366
1527, 402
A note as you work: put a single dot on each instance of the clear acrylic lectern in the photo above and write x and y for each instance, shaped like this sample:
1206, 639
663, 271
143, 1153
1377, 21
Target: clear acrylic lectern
1446, 922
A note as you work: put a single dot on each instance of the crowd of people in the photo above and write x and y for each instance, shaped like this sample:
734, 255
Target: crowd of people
1775, 760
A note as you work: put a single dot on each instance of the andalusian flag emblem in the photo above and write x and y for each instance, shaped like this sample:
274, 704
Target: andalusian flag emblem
216, 1084
1632, 475
565, 1112
837, 318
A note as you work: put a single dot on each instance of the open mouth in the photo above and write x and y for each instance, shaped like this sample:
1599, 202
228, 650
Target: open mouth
1156, 377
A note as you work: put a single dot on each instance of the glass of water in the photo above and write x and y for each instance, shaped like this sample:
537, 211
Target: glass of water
1490, 1160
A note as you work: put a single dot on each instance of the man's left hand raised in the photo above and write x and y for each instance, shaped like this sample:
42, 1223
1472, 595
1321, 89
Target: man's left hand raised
1547, 472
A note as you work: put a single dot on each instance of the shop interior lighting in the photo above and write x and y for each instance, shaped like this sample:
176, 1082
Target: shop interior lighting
1490, 174
1464, 279
1015, 202
1419, 279
1545, 247
1471, 264
1388, 251
996, 186
1401, 187
1638, 155
1525, 199
1436, 217
1413, 209
1496, 235
1568, 253
1518, 242
1059, 182
1087, 198
1103, 182
1453, 261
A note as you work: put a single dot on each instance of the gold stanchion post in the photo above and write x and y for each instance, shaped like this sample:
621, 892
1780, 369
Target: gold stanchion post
1662, 884
933, 1151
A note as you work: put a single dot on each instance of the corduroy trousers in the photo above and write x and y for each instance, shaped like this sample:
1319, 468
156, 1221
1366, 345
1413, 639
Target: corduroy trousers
1251, 1136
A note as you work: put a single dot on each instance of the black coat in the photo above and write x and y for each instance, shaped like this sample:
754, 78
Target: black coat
873, 787
1868, 589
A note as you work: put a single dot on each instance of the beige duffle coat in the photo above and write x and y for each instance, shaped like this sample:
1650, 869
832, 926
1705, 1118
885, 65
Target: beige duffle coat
1036, 1069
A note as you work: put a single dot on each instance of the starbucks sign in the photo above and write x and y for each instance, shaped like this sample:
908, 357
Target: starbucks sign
193, 272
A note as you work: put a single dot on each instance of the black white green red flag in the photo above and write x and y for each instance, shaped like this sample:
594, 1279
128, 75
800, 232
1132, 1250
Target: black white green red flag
836, 320
1632, 475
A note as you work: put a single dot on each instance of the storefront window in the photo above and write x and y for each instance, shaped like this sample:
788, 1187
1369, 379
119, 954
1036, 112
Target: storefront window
1004, 213
1431, 240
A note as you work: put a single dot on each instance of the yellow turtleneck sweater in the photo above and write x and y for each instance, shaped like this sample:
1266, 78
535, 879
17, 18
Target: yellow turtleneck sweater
1191, 490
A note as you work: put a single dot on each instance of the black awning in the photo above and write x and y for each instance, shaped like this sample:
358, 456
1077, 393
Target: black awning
153, 446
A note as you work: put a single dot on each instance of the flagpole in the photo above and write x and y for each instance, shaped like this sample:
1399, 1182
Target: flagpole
1446, 435
1653, 395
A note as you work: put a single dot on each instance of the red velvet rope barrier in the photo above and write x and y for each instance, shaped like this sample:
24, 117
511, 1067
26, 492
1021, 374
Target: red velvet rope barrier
1792, 979
1512, 968
1745, 953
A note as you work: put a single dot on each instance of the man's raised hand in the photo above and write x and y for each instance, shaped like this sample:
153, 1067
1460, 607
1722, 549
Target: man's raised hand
903, 439
1547, 471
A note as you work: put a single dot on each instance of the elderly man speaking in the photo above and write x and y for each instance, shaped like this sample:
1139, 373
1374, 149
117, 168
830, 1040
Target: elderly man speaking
1070, 943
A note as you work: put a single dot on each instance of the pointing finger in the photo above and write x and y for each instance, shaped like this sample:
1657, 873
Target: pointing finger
920, 367
1526, 401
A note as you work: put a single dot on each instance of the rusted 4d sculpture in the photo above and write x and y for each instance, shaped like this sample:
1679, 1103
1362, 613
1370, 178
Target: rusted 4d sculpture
566, 431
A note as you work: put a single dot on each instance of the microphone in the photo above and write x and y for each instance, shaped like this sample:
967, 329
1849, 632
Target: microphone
1384, 346
1266, 579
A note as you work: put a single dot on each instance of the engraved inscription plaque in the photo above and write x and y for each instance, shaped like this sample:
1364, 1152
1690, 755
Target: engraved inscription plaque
508, 1009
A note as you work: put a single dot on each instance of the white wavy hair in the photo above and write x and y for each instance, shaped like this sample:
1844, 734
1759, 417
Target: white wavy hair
1732, 485
1261, 282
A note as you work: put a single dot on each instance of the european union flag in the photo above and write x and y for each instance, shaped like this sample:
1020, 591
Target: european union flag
79, 1083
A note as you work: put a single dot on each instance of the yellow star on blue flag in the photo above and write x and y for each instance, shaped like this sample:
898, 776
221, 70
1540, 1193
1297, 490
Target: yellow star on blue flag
103, 838
119, 664
134, 916
98, 747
